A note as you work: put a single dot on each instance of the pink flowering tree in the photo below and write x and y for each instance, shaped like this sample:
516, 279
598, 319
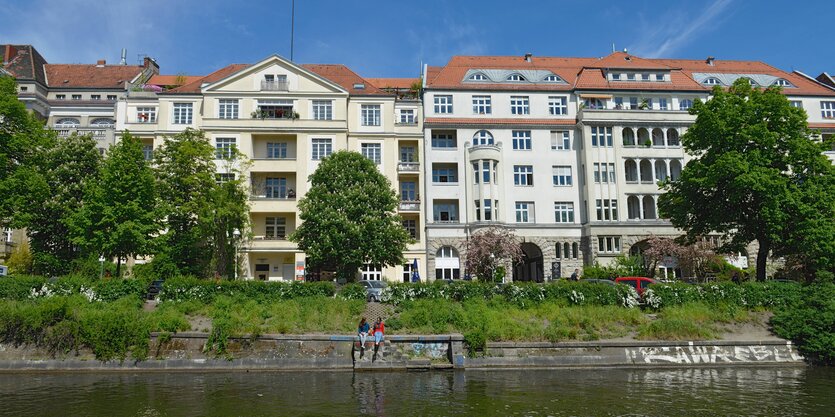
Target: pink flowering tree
489, 249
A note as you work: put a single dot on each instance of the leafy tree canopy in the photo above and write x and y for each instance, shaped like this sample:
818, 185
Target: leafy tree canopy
758, 173
349, 217
490, 248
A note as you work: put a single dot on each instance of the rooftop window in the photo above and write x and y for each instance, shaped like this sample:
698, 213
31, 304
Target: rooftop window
515, 77
712, 81
478, 77
781, 82
552, 79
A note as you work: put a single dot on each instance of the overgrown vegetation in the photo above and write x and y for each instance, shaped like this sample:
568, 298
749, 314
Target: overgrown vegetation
810, 322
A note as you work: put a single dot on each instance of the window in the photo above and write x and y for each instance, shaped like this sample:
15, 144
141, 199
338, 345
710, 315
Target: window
275, 187
371, 272
275, 109
148, 152
322, 110
607, 210
633, 103
608, 244
482, 137
520, 105
712, 81
659, 77
560, 141
644, 77
447, 263
685, 104
601, 136
752, 82
483, 173
407, 271
781, 82
182, 113
60, 96
482, 105
478, 77
630, 77
662, 104
223, 177
224, 147
796, 103
515, 77
604, 172
76, 96
593, 103
443, 104
227, 109
407, 117
7, 235
411, 226
561, 175
408, 154
372, 151
444, 173
522, 140
490, 211
103, 122
408, 191
95, 97
277, 150
111, 97
68, 122
370, 114
321, 148
524, 212
616, 76
276, 228
557, 105
24, 89
523, 175
828, 109
445, 212
146, 114
563, 212
552, 79
444, 140
618, 103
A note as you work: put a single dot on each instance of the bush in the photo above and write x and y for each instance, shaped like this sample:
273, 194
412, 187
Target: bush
352, 291
189, 288
810, 323
752, 295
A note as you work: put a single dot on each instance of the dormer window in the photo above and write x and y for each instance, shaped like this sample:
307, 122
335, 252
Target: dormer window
616, 76
659, 77
752, 82
712, 81
515, 77
630, 77
552, 79
644, 77
781, 82
478, 77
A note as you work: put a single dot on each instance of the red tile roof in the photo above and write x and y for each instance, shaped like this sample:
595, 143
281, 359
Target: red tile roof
496, 121
195, 86
24, 62
162, 80
90, 75
588, 73
347, 79
398, 83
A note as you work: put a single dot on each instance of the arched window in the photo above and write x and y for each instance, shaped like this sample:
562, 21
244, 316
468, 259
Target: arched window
675, 170
631, 170
102, 122
68, 122
643, 137
566, 252
633, 208
649, 208
552, 79
782, 82
482, 137
478, 77
712, 81
685, 104
447, 263
657, 137
751, 81
575, 250
628, 137
673, 138
515, 77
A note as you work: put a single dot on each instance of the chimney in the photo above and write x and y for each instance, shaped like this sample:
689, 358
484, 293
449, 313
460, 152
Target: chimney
710, 60
124, 60
149, 62
101, 63
528, 57
9, 53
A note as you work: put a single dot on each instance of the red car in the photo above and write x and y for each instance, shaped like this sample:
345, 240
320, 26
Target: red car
638, 283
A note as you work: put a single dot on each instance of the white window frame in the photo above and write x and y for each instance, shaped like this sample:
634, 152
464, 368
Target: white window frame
606, 210
685, 104
521, 140
320, 148
601, 137
372, 151
371, 272
520, 105
149, 113
523, 175
563, 212
828, 109
525, 212
371, 114
183, 113
224, 147
608, 244
604, 172
277, 150
482, 104
322, 109
561, 176
407, 117
444, 138
482, 138
557, 105
560, 140
443, 104
228, 108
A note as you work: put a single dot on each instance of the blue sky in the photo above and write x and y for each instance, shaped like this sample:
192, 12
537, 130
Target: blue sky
390, 38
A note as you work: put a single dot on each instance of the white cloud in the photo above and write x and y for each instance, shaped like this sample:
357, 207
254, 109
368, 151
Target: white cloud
667, 34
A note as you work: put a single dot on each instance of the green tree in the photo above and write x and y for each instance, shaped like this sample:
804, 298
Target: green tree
119, 217
185, 173
20, 260
349, 217
757, 174
226, 220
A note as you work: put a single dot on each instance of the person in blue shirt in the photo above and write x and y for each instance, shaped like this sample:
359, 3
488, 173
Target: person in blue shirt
362, 331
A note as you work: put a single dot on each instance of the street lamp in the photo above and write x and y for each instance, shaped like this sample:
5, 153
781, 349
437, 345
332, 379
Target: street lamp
492, 267
236, 234
101, 271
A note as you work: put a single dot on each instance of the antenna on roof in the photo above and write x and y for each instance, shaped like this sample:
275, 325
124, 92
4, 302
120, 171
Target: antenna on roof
292, 26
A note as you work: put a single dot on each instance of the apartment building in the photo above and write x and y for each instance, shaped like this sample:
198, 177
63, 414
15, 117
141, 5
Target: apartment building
285, 118
568, 152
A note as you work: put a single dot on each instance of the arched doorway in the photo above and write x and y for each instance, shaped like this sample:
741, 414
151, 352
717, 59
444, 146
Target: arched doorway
531, 268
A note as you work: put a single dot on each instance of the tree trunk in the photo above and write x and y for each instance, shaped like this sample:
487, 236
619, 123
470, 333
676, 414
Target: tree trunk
118, 266
762, 258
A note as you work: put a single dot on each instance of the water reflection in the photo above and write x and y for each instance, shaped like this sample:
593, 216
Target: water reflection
705, 391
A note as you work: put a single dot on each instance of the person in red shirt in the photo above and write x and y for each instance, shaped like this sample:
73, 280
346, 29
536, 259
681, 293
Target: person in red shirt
379, 329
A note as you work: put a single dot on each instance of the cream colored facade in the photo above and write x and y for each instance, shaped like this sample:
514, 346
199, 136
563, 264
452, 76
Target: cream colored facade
306, 116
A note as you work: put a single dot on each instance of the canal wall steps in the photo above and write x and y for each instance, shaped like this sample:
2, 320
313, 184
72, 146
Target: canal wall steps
187, 351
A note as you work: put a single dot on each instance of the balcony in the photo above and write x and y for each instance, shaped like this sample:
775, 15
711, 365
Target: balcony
409, 206
273, 165
98, 133
404, 166
478, 152
274, 86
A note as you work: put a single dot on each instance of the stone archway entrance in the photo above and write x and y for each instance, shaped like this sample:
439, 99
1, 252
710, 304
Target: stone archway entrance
532, 266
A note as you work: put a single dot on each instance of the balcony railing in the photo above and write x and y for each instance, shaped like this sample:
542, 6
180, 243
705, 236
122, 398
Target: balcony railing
270, 237
96, 132
274, 86
264, 196
410, 205
404, 166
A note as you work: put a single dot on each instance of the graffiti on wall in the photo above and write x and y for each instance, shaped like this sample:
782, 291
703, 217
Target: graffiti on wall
432, 350
713, 354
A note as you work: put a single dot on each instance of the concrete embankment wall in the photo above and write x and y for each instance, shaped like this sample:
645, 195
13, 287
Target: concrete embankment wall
185, 351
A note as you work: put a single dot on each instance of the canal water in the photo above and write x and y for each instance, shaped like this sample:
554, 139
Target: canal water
785, 391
